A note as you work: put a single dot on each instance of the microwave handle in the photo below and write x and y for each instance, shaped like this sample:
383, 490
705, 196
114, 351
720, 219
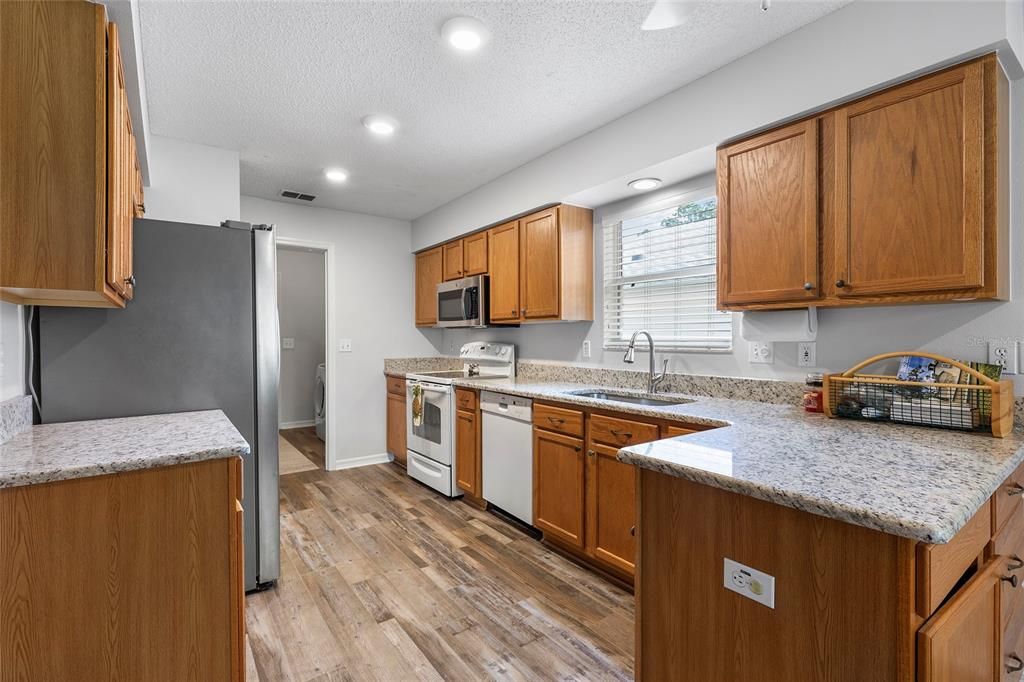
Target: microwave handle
465, 302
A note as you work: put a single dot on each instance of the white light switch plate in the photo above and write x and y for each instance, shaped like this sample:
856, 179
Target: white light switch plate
806, 354
586, 349
288, 344
762, 352
345, 346
750, 582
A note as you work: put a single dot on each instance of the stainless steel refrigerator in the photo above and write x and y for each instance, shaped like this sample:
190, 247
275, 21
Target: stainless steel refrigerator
201, 333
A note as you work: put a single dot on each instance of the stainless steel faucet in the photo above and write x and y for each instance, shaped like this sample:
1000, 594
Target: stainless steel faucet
652, 380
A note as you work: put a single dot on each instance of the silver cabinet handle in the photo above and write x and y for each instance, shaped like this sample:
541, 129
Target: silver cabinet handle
632, 531
840, 283
1014, 663
556, 420
591, 453
1015, 489
130, 280
1012, 579
808, 286
1016, 563
621, 434
578, 448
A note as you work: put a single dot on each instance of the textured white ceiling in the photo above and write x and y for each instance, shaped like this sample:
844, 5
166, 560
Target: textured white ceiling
287, 84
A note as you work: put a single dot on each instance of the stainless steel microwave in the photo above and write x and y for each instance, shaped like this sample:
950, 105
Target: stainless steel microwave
463, 302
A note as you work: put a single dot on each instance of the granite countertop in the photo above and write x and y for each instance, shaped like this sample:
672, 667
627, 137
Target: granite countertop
56, 452
914, 482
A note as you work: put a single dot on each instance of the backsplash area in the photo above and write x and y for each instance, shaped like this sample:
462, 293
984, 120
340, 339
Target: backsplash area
15, 416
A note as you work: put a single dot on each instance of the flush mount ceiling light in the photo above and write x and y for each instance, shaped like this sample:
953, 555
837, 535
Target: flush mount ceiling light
335, 175
380, 125
465, 33
644, 184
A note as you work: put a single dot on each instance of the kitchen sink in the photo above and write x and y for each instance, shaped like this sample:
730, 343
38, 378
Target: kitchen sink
626, 398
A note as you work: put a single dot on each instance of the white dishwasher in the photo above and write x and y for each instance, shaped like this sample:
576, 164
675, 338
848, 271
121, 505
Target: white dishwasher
508, 453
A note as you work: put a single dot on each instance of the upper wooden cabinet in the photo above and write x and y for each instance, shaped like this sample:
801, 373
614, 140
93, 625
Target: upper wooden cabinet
503, 256
428, 276
453, 260
474, 254
902, 193
69, 174
768, 217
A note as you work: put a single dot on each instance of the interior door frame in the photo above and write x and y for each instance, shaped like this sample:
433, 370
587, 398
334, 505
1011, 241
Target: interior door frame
330, 334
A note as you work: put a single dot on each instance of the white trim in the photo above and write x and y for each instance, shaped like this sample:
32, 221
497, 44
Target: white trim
330, 446
364, 461
295, 425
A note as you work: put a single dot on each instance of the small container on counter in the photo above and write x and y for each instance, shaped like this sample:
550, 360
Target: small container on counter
814, 393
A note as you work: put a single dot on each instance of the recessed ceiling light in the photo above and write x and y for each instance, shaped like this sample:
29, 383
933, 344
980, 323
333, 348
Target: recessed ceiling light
465, 33
336, 175
380, 125
644, 184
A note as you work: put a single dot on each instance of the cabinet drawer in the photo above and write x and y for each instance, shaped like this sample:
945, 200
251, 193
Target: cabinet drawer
465, 399
620, 432
558, 419
396, 385
1006, 500
1008, 546
673, 430
939, 567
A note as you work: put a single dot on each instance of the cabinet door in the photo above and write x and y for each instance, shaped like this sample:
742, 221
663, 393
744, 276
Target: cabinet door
118, 131
538, 247
503, 257
428, 276
466, 470
453, 260
129, 183
558, 486
611, 509
474, 254
909, 194
961, 642
768, 217
396, 443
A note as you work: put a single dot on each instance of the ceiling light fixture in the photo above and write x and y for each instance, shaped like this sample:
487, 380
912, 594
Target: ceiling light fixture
644, 184
465, 33
336, 175
380, 125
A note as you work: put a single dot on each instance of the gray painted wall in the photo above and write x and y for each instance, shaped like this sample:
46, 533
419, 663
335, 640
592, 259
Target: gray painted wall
300, 301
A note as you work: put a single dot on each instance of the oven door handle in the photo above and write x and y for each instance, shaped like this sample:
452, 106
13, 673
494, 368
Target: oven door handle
431, 389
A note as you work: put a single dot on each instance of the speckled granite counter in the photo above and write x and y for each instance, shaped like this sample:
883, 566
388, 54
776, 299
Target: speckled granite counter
55, 452
915, 482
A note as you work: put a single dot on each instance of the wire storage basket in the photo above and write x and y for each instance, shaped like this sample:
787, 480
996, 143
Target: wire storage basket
976, 403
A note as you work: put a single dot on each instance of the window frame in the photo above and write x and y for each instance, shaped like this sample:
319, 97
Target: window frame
615, 220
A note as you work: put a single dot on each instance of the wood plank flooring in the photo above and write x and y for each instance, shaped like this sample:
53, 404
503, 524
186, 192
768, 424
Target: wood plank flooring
306, 441
382, 579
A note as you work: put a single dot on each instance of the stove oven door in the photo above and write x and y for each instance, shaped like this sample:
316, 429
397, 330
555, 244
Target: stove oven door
432, 436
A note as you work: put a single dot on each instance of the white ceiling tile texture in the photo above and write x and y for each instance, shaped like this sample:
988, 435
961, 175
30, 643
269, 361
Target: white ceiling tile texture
288, 83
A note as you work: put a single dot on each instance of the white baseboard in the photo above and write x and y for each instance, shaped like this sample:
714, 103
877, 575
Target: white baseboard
295, 425
354, 462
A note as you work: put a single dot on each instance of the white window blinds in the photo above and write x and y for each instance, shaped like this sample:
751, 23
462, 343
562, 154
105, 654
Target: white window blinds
659, 275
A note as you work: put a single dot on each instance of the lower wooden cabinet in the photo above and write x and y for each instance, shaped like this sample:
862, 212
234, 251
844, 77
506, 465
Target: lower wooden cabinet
127, 576
611, 508
558, 486
396, 417
467, 452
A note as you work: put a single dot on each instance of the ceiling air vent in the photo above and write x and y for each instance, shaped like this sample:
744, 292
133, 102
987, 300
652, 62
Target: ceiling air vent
292, 194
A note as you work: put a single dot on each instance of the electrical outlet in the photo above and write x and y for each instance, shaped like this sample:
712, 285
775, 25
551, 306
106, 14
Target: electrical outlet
1003, 352
761, 352
806, 354
345, 346
750, 582
586, 349
288, 344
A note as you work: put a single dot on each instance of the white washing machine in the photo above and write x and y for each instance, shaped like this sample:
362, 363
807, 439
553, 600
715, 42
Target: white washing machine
320, 402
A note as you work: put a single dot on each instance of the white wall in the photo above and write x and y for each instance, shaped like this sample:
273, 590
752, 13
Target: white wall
300, 301
860, 47
191, 183
370, 301
12, 351
959, 330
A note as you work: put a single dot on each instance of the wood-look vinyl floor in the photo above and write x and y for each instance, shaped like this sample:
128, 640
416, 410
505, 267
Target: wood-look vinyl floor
306, 441
382, 579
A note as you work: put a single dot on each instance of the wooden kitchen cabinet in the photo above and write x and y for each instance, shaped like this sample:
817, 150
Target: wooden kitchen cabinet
558, 486
768, 217
396, 420
539, 257
503, 259
611, 508
128, 576
429, 265
453, 260
474, 254
68, 163
467, 455
911, 202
